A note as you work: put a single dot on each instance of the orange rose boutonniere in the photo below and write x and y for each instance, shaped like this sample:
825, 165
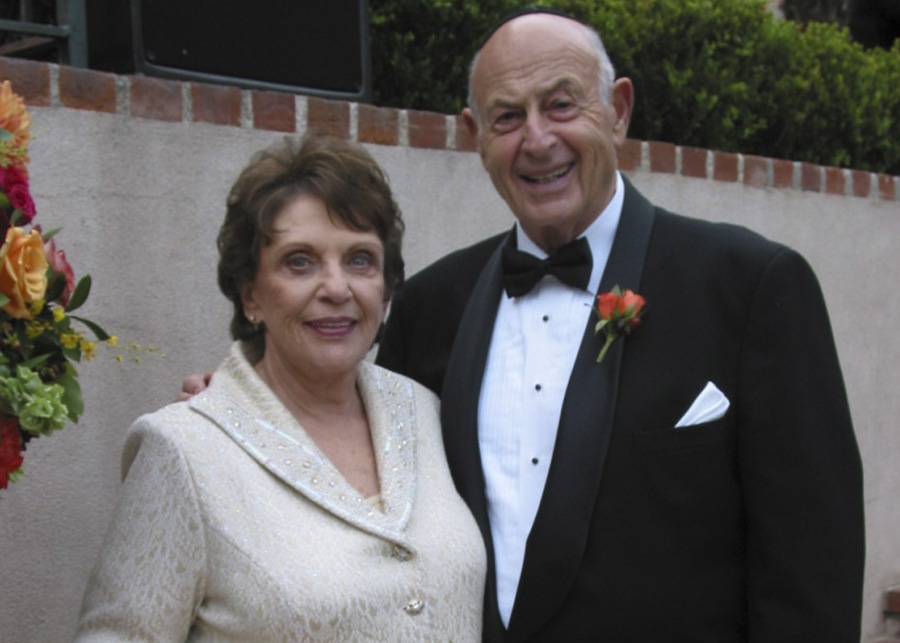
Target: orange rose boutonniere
620, 313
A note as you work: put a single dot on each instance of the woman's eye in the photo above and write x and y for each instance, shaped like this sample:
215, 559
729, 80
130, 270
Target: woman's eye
361, 260
298, 262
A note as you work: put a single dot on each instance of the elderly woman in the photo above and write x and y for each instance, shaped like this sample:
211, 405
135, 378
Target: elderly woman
304, 495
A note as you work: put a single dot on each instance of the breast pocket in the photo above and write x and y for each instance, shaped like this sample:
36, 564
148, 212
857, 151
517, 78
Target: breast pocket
687, 438
688, 475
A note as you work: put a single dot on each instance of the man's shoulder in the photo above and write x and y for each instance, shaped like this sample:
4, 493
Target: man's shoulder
711, 239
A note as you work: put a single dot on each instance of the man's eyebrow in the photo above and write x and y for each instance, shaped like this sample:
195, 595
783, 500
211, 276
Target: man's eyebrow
502, 103
565, 83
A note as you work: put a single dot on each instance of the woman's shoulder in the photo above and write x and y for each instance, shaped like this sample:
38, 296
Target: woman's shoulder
187, 431
173, 427
167, 422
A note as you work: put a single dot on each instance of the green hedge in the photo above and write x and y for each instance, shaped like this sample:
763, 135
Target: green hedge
719, 74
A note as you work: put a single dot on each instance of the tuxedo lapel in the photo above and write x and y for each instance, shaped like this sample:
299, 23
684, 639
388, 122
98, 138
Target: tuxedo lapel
459, 413
557, 540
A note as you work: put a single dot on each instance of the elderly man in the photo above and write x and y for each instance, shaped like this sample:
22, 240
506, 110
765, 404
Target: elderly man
702, 481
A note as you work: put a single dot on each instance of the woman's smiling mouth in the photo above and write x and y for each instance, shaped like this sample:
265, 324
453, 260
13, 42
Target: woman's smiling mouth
332, 326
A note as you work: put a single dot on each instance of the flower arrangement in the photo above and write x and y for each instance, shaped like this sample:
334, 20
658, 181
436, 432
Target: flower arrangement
620, 313
39, 390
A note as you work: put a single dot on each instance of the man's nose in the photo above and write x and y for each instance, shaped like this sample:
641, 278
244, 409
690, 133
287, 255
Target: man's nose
539, 136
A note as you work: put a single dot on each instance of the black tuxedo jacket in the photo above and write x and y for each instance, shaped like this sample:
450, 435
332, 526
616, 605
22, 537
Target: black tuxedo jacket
746, 528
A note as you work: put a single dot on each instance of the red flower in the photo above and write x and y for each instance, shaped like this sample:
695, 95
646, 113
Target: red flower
20, 198
606, 304
59, 264
14, 183
619, 313
10, 450
630, 306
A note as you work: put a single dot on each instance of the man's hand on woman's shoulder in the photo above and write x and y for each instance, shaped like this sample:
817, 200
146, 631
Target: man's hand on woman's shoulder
193, 384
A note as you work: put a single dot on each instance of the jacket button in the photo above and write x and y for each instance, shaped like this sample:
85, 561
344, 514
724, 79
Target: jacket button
400, 552
414, 607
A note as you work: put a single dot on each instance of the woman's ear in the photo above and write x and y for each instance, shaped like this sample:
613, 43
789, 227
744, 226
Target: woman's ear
251, 308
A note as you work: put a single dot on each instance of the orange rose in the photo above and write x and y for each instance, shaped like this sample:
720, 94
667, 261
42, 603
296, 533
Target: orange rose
23, 271
632, 303
606, 304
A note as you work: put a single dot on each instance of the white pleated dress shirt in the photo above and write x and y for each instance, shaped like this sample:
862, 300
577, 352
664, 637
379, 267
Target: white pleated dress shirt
533, 348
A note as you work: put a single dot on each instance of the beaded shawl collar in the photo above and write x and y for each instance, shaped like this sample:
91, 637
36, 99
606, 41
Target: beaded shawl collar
245, 408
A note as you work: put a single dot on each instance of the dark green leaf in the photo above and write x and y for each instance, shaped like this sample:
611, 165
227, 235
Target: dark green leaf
82, 290
99, 333
50, 234
56, 283
35, 362
71, 392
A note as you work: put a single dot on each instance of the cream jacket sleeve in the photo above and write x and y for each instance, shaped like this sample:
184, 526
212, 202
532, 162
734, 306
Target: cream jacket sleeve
150, 581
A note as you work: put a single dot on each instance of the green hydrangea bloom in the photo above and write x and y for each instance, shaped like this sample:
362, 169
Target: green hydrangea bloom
45, 411
38, 406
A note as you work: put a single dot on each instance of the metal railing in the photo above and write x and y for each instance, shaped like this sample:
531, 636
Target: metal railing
70, 29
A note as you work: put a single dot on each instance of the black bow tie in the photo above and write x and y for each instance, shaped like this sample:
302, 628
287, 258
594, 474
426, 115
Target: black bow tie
571, 264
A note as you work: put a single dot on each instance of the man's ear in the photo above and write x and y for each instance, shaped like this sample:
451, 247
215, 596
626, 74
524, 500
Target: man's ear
471, 124
622, 100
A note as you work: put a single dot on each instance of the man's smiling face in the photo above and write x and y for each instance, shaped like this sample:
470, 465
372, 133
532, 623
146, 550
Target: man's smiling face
546, 137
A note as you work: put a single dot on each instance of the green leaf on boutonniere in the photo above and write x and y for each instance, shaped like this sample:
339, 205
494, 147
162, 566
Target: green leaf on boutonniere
5, 136
3, 300
82, 290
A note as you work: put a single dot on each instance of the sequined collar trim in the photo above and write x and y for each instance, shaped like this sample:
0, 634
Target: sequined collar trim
241, 404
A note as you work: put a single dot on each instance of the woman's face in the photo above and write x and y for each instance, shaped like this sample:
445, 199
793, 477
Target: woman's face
319, 289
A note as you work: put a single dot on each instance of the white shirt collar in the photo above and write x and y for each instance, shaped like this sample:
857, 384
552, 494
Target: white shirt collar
599, 234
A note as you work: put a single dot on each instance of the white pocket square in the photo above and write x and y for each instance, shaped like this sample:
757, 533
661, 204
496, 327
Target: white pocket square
710, 405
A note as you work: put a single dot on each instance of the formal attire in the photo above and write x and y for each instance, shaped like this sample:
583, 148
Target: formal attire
233, 526
748, 527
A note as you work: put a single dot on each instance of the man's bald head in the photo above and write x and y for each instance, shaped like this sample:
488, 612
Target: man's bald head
507, 28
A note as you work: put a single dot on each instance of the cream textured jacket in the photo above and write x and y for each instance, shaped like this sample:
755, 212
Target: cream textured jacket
233, 526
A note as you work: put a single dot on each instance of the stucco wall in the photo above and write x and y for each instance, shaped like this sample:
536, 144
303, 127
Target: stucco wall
140, 201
